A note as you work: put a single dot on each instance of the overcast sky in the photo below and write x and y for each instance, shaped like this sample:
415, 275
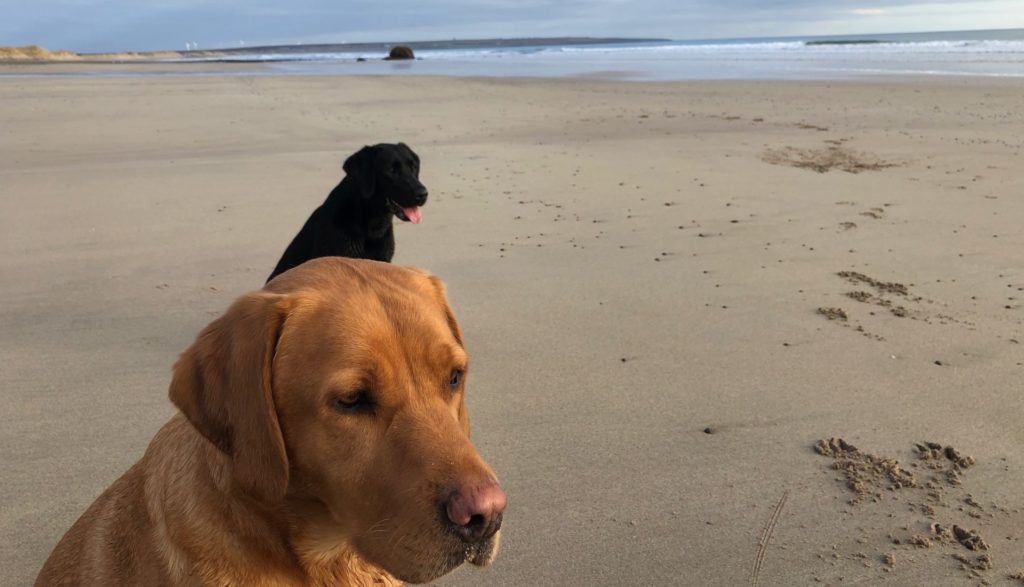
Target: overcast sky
107, 25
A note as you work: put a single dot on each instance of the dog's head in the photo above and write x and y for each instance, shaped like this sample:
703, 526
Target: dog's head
338, 392
390, 174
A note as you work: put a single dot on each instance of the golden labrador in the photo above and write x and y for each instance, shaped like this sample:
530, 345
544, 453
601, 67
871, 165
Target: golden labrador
323, 440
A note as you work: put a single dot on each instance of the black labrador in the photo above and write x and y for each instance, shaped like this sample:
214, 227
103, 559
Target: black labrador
380, 182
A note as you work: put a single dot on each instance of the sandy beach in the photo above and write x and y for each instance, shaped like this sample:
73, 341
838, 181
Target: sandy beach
671, 292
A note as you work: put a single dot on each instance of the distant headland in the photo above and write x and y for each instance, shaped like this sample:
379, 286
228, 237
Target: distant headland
445, 44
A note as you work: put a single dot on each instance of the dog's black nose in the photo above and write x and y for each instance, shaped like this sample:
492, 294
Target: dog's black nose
421, 195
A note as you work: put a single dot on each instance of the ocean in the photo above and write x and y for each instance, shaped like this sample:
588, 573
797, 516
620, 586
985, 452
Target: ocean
994, 53
985, 53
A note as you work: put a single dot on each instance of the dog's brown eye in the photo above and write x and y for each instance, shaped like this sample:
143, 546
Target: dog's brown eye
353, 403
455, 379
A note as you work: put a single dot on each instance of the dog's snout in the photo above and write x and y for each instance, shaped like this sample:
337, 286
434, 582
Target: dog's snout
421, 194
475, 510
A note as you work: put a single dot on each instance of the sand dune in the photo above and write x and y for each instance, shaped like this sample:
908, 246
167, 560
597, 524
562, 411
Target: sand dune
721, 333
34, 53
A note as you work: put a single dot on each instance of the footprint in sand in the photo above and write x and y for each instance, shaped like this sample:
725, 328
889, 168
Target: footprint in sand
826, 159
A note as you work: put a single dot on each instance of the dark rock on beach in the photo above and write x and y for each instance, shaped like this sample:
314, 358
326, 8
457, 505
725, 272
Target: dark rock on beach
400, 52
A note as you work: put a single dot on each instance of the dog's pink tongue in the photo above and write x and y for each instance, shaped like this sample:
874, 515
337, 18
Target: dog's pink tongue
413, 214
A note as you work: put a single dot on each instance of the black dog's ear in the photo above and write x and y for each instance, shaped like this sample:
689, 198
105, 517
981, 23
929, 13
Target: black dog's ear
415, 157
359, 166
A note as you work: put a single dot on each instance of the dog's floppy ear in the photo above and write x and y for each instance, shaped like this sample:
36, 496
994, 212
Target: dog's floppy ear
359, 166
415, 157
222, 384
